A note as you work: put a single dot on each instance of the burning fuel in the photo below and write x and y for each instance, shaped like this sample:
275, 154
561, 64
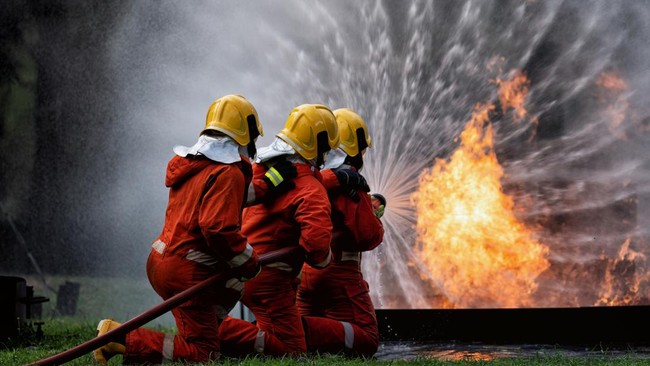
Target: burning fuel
621, 286
481, 249
475, 248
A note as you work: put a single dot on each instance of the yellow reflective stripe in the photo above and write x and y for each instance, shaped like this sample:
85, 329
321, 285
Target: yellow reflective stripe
274, 176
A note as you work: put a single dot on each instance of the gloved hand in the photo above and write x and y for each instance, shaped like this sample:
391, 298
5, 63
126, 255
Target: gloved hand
350, 181
249, 270
278, 177
378, 204
348, 178
252, 274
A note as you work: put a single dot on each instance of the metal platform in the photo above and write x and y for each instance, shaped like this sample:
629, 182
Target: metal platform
612, 325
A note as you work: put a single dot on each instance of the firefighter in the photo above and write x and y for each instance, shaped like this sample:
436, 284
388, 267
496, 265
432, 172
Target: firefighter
208, 186
298, 218
337, 311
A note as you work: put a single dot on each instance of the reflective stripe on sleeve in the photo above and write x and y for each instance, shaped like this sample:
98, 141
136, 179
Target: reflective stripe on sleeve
235, 284
242, 257
274, 176
351, 256
324, 263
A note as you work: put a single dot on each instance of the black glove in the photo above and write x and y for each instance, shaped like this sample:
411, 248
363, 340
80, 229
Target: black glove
348, 178
250, 275
278, 177
350, 181
247, 271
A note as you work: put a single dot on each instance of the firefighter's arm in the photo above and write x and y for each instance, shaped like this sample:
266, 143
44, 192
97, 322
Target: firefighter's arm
313, 215
348, 181
360, 219
220, 222
329, 179
268, 183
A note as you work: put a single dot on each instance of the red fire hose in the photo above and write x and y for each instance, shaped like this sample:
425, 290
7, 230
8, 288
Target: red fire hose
149, 315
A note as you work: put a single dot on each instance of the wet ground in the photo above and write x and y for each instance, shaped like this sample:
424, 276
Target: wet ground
472, 351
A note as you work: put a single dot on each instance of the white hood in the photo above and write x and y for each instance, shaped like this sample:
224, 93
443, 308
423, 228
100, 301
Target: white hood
335, 159
220, 149
278, 148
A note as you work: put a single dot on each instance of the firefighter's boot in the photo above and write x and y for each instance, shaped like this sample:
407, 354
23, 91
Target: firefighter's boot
108, 350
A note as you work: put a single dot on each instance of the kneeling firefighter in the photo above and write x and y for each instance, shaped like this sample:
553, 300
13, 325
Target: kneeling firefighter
208, 187
337, 311
300, 218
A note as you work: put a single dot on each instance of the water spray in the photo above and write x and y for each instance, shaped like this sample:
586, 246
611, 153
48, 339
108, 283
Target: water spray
23, 243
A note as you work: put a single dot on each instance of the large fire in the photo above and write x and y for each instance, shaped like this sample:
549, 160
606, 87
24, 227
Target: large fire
475, 249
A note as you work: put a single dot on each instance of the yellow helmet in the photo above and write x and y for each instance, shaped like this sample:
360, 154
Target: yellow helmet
353, 132
236, 117
311, 130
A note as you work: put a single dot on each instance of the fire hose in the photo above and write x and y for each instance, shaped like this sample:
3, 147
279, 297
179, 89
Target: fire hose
151, 314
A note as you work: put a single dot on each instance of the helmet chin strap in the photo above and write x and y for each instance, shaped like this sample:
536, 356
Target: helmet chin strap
251, 149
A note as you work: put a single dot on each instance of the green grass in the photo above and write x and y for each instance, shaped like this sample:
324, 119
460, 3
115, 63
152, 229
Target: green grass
59, 335
124, 298
64, 333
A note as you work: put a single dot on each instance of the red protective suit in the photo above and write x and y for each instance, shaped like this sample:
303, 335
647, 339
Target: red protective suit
298, 218
201, 237
335, 304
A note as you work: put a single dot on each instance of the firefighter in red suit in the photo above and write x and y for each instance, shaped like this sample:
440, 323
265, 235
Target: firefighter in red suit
208, 186
298, 218
337, 311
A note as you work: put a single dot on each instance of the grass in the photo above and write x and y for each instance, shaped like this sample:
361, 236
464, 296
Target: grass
124, 298
64, 333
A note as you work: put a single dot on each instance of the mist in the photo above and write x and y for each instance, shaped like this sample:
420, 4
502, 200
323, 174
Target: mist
120, 83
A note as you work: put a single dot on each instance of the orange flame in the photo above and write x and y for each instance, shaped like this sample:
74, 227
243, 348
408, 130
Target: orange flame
512, 94
622, 285
474, 247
